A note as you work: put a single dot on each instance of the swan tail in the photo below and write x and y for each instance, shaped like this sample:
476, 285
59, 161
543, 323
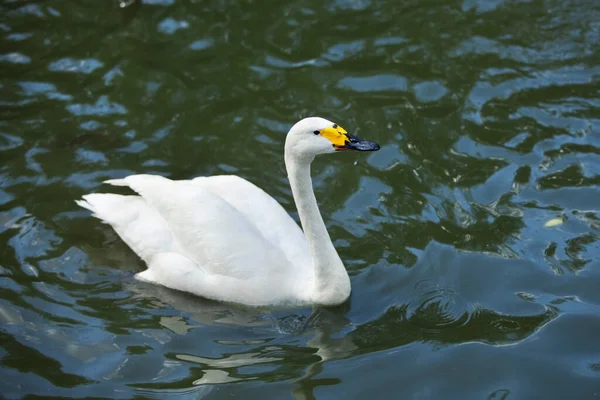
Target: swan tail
140, 227
110, 208
117, 182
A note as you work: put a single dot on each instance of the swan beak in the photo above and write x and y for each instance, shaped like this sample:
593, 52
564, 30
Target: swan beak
343, 141
357, 144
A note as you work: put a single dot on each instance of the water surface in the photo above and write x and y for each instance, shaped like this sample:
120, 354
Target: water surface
487, 114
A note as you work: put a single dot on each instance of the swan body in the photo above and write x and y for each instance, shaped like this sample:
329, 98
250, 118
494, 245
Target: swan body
223, 238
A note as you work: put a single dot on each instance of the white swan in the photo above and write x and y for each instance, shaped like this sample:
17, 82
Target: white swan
223, 238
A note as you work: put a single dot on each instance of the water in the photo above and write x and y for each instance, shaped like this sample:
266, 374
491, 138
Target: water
487, 113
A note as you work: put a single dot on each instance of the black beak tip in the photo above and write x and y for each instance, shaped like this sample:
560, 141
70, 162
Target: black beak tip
359, 144
365, 145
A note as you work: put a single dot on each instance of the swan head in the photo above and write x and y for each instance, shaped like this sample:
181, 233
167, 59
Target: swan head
313, 136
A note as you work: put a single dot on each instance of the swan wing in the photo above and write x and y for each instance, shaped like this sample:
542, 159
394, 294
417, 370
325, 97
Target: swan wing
264, 212
203, 227
140, 226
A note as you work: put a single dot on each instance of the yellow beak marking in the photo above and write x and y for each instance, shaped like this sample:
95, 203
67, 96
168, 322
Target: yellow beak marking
335, 134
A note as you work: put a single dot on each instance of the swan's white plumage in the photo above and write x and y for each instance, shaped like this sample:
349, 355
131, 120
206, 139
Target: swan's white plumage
207, 233
223, 238
269, 217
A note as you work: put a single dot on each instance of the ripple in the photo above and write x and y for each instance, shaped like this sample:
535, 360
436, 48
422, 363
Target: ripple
33, 88
484, 91
486, 112
390, 41
83, 66
282, 63
169, 26
49, 91
505, 325
342, 51
351, 5
202, 44
427, 92
479, 45
481, 6
15, 58
102, 107
91, 157
31, 9
376, 83
232, 361
159, 2
17, 37
436, 307
111, 76
9, 142
291, 324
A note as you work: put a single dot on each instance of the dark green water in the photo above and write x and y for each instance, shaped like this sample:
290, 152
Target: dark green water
488, 117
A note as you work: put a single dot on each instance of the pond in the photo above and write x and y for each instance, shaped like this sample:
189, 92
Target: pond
471, 238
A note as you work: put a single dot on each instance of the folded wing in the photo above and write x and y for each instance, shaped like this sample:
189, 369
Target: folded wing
187, 219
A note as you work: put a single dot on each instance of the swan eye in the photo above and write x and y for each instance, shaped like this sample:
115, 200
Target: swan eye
334, 126
317, 132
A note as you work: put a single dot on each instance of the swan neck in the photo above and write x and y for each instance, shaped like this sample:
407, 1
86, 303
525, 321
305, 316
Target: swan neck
332, 284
